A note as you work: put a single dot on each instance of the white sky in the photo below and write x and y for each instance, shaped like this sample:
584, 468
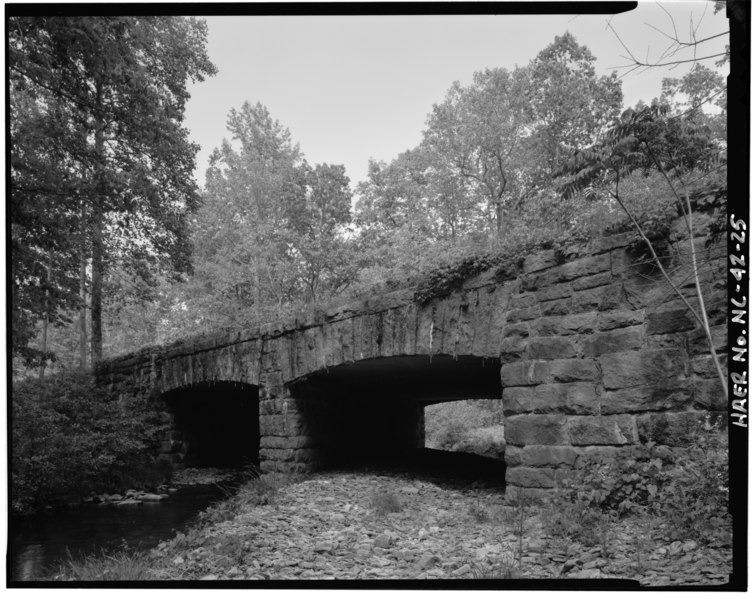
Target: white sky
351, 88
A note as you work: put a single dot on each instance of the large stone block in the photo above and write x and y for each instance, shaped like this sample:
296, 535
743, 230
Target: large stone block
516, 373
669, 321
522, 300
647, 399
606, 297
709, 394
559, 307
272, 425
529, 313
540, 261
704, 366
564, 371
535, 430
563, 398
643, 367
601, 430
619, 318
513, 348
698, 343
613, 341
598, 280
550, 348
530, 477
553, 292
538, 456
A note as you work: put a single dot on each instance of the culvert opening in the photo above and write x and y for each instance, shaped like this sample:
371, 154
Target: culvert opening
215, 425
371, 414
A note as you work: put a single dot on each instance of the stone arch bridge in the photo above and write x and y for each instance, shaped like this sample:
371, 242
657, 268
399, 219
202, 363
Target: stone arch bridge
588, 350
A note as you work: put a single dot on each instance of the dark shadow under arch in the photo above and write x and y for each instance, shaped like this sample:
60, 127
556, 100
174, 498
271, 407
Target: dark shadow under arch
372, 411
216, 423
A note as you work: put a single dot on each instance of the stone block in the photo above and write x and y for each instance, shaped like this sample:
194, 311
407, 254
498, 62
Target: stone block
528, 313
558, 307
673, 428
644, 367
535, 430
550, 348
605, 244
515, 374
669, 321
522, 300
671, 340
273, 425
292, 442
598, 280
581, 267
613, 341
540, 261
564, 398
513, 348
520, 329
607, 321
563, 325
606, 297
704, 367
553, 292
601, 430
709, 394
550, 456
647, 399
698, 343
564, 371
522, 476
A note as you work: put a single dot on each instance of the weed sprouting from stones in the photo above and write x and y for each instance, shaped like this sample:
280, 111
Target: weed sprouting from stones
384, 502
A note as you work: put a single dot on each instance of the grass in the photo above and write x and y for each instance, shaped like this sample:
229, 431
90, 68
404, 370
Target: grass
384, 502
258, 491
123, 565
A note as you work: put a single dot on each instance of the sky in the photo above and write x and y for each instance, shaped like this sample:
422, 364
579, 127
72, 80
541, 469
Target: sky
351, 88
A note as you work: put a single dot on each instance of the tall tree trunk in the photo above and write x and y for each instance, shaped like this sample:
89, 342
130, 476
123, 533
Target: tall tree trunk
45, 324
98, 248
83, 339
97, 272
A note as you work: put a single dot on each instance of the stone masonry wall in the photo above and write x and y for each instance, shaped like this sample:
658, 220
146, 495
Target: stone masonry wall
597, 355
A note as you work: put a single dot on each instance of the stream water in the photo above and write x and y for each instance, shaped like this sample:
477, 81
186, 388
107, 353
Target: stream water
37, 543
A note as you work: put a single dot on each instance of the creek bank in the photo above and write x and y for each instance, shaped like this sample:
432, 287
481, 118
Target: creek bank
361, 526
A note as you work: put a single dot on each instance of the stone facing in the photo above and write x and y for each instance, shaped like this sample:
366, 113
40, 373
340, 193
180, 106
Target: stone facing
589, 360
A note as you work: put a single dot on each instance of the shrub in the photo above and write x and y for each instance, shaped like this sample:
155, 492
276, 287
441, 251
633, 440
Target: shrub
71, 437
384, 502
686, 489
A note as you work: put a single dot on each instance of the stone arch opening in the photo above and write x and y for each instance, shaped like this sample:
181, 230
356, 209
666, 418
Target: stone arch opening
214, 424
372, 411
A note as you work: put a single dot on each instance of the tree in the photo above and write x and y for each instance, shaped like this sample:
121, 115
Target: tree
479, 131
571, 105
111, 92
269, 231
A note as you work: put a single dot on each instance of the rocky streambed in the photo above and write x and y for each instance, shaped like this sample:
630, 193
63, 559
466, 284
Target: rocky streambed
375, 526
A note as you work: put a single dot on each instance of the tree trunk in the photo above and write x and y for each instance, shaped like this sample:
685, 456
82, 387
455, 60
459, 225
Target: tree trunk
98, 248
43, 362
97, 268
83, 340
45, 324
